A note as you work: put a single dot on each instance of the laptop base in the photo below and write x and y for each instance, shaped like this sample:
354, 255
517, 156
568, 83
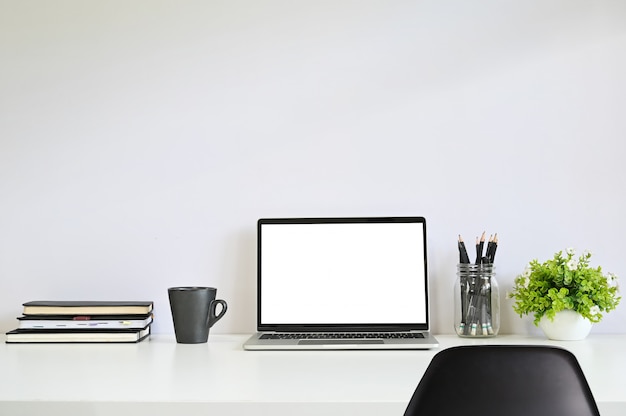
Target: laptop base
255, 343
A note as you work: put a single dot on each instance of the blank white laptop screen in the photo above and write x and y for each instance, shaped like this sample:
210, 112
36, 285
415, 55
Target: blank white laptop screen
343, 273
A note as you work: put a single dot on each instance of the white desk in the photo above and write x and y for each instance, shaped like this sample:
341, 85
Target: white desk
159, 377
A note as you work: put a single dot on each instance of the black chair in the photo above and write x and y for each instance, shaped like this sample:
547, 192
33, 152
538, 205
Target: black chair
503, 380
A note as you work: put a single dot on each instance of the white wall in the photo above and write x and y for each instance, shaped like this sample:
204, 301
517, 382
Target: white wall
140, 140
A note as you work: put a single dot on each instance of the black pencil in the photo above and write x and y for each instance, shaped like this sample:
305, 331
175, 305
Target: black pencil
494, 248
479, 248
489, 249
463, 257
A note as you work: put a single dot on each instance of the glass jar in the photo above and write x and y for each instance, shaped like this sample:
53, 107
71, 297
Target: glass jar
476, 301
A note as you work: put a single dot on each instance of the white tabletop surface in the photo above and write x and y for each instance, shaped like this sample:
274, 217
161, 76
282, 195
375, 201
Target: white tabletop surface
160, 377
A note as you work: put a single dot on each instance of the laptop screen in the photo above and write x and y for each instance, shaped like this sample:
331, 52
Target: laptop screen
342, 272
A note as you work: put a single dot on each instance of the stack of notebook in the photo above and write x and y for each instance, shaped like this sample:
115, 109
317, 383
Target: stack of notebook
82, 321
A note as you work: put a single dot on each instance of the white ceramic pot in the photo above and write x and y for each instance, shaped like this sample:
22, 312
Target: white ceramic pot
567, 325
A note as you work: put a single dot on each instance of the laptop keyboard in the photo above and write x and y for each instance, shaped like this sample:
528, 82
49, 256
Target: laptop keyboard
343, 335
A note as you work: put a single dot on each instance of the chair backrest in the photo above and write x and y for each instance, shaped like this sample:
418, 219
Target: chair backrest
503, 380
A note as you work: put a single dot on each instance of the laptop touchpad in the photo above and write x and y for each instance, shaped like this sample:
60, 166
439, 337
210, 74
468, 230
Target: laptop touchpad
339, 341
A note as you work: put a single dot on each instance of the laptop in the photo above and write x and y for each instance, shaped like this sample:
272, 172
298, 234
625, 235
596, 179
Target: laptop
342, 283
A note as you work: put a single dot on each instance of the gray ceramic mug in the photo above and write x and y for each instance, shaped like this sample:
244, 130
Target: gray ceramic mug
194, 312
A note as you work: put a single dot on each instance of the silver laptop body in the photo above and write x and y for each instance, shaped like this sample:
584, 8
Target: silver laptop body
342, 283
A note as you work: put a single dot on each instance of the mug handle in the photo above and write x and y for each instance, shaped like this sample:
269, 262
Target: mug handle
213, 318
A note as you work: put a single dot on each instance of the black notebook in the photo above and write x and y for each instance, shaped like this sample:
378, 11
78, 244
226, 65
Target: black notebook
53, 307
76, 335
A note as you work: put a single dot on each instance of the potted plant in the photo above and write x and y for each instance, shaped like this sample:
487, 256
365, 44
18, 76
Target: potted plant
565, 294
